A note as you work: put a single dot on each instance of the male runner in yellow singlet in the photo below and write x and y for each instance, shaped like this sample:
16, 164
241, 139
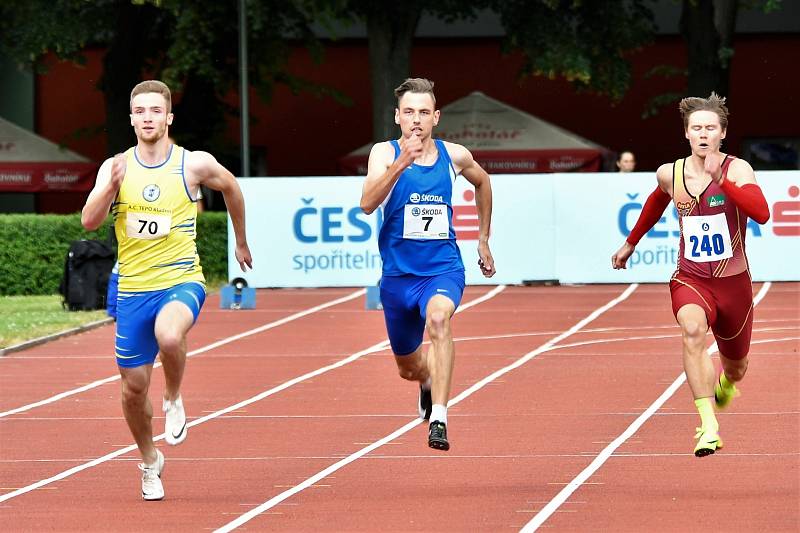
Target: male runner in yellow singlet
151, 190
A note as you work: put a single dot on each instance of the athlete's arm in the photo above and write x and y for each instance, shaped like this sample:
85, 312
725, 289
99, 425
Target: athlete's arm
383, 170
109, 179
472, 171
205, 170
740, 186
651, 213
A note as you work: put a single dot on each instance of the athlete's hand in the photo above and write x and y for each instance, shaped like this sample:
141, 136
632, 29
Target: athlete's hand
713, 165
410, 150
620, 259
485, 260
118, 168
243, 256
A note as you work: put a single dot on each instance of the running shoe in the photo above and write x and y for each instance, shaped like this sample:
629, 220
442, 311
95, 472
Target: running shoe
174, 422
724, 395
152, 489
425, 403
437, 436
708, 441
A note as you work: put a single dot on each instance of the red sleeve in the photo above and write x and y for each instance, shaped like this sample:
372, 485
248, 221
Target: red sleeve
749, 198
650, 215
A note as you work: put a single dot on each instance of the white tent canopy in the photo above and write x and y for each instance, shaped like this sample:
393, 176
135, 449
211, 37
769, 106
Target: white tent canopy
30, 163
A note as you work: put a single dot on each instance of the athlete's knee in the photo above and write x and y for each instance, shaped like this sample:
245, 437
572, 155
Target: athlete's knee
170, 341
694, 332
409, 374
134, 389
409, 367
438, 324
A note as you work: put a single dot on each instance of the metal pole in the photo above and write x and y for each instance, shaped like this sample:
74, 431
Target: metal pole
244, 104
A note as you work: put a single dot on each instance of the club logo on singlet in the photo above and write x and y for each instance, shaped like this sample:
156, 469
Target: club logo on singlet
684, 208
716, 201
151, 192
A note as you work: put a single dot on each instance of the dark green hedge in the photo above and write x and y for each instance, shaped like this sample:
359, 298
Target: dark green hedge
33, 248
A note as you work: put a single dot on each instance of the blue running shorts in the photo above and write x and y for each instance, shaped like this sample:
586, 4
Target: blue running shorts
404, 299
136, 343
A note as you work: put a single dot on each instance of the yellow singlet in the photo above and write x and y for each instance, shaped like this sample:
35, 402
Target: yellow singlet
155, 222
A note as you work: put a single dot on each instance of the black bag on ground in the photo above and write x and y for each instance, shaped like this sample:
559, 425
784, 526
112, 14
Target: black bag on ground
86, 270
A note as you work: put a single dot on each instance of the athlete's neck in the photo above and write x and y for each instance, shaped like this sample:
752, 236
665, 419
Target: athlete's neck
429, 153
152, 154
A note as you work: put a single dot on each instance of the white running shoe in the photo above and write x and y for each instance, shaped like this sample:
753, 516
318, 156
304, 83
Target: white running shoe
174, 422
152, 489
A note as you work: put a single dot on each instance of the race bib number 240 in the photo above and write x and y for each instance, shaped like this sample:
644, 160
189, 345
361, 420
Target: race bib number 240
706, 238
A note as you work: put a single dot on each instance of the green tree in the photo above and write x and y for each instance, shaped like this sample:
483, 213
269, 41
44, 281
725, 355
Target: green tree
131, 32
583, 41
191, 44
708, 27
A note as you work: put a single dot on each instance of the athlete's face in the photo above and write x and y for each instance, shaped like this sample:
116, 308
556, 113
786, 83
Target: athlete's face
149, 117
704, 132
416, 114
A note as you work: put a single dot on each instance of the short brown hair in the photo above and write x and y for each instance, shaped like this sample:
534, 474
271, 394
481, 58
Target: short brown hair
153, 86
714, 103
415, 85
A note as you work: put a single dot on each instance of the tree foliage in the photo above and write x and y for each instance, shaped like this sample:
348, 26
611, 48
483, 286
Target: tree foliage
582, 41
191, 44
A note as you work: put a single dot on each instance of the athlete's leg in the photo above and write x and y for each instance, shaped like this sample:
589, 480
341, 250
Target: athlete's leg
734, 369
413, 366
179, 308
696, 362
441, 353
733, 330
137, 408
172, 324
694, 308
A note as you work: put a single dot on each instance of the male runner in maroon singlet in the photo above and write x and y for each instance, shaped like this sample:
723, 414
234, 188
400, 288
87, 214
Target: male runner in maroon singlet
714, 194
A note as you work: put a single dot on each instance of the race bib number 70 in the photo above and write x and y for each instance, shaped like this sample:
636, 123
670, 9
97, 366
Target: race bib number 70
147, 226
706, 238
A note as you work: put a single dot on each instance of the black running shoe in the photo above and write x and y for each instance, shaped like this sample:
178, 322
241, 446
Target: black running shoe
425, 403
437, 436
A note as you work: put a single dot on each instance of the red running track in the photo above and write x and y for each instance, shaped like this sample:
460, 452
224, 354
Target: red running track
530, 444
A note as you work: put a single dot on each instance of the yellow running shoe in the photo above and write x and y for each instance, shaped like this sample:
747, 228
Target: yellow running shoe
708, 441
723, 395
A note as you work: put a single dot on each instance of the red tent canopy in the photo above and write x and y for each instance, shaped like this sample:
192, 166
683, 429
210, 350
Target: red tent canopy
503, 139
29, 163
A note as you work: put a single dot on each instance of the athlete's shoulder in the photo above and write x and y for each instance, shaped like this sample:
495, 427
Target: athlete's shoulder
740, 171
382, 152
198, 160
739, 163
459, 153
665, 168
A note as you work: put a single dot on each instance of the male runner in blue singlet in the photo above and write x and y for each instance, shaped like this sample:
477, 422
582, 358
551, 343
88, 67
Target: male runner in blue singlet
423, 275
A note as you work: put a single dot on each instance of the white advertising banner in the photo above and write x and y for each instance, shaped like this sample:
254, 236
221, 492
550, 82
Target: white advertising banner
595, 213
310, 232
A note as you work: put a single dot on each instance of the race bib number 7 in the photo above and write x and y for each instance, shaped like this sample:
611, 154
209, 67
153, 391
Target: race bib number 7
147, 226
426, 221
706, 238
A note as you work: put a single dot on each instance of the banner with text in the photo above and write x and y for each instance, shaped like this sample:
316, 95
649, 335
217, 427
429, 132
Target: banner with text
310, 232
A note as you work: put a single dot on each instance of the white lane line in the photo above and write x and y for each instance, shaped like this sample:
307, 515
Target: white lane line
211, 346
377, 347
272, 502
603, 456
